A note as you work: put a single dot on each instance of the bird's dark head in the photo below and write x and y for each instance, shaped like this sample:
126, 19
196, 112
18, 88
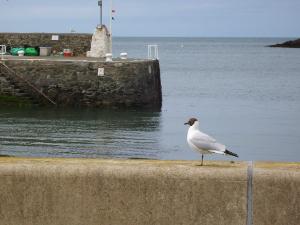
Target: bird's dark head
191, 121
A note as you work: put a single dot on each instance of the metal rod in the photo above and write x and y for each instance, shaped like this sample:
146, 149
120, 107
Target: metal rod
250, 193
100, 4
110, 24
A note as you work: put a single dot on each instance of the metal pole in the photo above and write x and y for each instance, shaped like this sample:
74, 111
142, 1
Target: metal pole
100, 4
110, 24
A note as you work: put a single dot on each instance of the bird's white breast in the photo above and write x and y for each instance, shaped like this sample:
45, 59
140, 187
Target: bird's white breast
190, 135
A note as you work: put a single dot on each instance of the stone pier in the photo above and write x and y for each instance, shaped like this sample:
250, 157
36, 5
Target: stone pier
82, 82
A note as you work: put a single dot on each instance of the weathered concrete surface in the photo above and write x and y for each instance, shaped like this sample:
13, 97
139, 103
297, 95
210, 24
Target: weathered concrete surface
120, 192
276, 194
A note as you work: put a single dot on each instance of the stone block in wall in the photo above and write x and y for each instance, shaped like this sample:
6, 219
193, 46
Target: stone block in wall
276, 193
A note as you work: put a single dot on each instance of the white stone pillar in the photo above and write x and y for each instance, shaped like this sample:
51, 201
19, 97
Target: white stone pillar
100, 44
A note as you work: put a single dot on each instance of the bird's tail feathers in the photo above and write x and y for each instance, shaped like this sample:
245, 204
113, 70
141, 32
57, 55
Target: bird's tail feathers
227, 152
218, 152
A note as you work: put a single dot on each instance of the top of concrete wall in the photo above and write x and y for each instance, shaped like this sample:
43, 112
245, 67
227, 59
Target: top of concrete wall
133, 165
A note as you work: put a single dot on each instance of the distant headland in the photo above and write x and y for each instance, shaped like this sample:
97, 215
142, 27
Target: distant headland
288, 44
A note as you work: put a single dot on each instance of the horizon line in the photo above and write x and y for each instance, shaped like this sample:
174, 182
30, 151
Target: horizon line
163, 36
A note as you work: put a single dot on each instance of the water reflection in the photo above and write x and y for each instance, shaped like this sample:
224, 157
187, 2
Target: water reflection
79, 133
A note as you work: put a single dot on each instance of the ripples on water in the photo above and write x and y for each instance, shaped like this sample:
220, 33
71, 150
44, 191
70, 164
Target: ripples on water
78, 133
245, 94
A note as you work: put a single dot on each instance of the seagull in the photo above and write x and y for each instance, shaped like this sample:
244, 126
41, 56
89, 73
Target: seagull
204, 143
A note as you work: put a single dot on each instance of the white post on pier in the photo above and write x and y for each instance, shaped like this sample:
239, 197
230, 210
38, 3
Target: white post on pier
2, 51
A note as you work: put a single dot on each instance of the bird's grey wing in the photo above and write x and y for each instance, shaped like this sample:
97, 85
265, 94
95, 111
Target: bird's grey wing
198, 135
205, 137
206, 142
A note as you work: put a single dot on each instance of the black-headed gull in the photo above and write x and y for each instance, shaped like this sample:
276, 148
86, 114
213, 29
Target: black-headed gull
202, 142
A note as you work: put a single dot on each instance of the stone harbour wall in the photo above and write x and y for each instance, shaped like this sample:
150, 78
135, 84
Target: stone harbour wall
79, 43
77, 83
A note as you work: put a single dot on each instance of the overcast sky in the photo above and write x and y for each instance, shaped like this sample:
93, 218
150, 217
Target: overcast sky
204, 18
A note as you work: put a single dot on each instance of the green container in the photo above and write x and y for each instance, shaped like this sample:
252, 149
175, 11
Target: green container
31, 52
14, 51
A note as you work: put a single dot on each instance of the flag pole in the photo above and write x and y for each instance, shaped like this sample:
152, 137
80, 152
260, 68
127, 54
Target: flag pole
110, 24
100, 5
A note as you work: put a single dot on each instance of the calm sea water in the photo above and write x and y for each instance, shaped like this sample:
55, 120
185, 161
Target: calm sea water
246, 95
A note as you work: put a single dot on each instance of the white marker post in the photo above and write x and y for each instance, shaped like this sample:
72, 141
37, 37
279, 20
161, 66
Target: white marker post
3, 51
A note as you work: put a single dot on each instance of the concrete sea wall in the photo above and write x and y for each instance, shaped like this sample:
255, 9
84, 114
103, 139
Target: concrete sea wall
120, 192
79, 43
276, 193
134, 83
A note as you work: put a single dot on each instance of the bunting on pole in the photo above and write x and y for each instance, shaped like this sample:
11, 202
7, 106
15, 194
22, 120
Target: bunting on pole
112, 11
113, 14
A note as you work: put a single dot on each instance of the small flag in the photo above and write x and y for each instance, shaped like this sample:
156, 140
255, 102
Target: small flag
113, 11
